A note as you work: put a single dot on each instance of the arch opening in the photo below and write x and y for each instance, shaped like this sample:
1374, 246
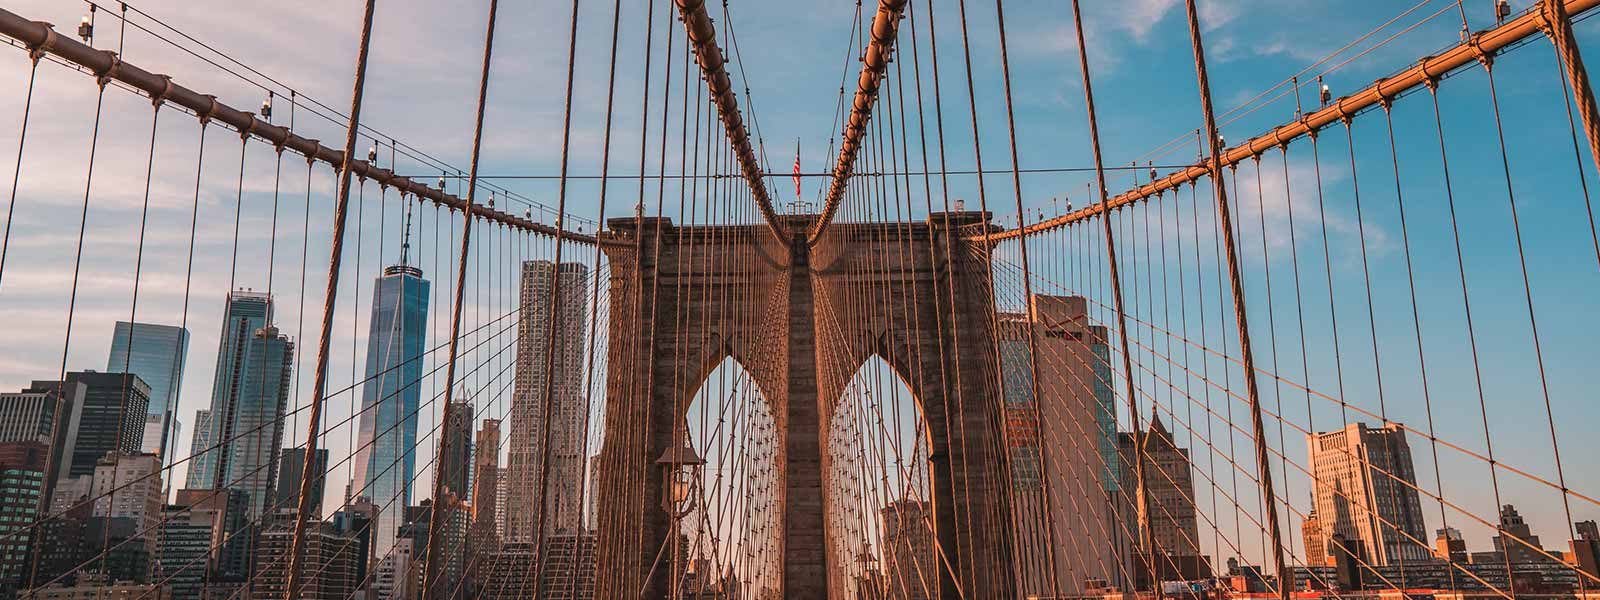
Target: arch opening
729, 528
881, 509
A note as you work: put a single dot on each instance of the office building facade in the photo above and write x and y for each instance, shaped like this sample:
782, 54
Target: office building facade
155, 353
1365, 494
486, 485
129, 486
1066, 440
48, 414
332, 561
291, 469
185, 558
111, 420
22, 485
384, 463
1170, 513
232, 538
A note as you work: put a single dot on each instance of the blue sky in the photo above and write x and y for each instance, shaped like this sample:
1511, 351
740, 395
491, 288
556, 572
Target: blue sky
422, 86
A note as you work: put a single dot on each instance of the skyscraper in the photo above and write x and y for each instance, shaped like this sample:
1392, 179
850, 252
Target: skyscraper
155, 353
102, 534
483, 537
485, 487
1515, 539
1076, 438
185, 547
23, 463
1311, 536
1584, 551
909, 565
111, 420
1170, 512
200, 442
47, 414
332, 559
385, 454
1447, 545
248, 399
1365, 492
229, 549
527, 440
291, 470
456, 466
136, 482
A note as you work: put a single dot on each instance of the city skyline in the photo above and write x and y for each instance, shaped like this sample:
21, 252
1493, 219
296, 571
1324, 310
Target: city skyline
213, 259
1292, 292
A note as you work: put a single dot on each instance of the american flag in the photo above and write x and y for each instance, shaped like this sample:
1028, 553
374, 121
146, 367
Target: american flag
797, 169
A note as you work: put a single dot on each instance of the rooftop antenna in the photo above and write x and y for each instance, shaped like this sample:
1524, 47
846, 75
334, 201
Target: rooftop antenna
405, 241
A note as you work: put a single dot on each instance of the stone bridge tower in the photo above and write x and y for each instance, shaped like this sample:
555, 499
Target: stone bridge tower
685, 298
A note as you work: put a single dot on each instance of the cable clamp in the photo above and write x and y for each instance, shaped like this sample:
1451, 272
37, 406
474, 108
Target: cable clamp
210, 111
111, 71
244, 132
1344, 113
166, 88
1277, 138
1548, 15
37, 52
1484, 58
1385, 100
1429, 80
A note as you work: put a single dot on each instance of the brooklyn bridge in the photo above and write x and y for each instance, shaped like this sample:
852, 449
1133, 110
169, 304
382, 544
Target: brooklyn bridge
1147, 299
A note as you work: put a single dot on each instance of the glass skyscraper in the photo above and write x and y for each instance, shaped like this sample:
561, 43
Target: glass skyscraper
155, 353
385, 453
248, 398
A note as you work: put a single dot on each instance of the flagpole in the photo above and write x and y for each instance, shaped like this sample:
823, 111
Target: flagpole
797, 174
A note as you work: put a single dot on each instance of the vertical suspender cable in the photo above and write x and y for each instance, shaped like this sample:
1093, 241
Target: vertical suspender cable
1027, 292
77, 262
320, 376
1142, 495
430, 574
555, 295
995, 518
22, 141
594, 299
1241, 318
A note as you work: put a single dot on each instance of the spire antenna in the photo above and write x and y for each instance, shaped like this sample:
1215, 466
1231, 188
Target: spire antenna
405, 241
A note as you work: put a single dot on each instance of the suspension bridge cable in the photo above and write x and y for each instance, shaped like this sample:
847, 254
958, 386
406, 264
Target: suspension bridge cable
22, 144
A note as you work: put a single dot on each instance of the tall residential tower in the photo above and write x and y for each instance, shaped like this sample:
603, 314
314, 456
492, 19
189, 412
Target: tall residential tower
529, 420
238, 449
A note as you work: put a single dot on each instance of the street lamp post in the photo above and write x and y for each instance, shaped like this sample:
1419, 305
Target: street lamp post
681, 470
